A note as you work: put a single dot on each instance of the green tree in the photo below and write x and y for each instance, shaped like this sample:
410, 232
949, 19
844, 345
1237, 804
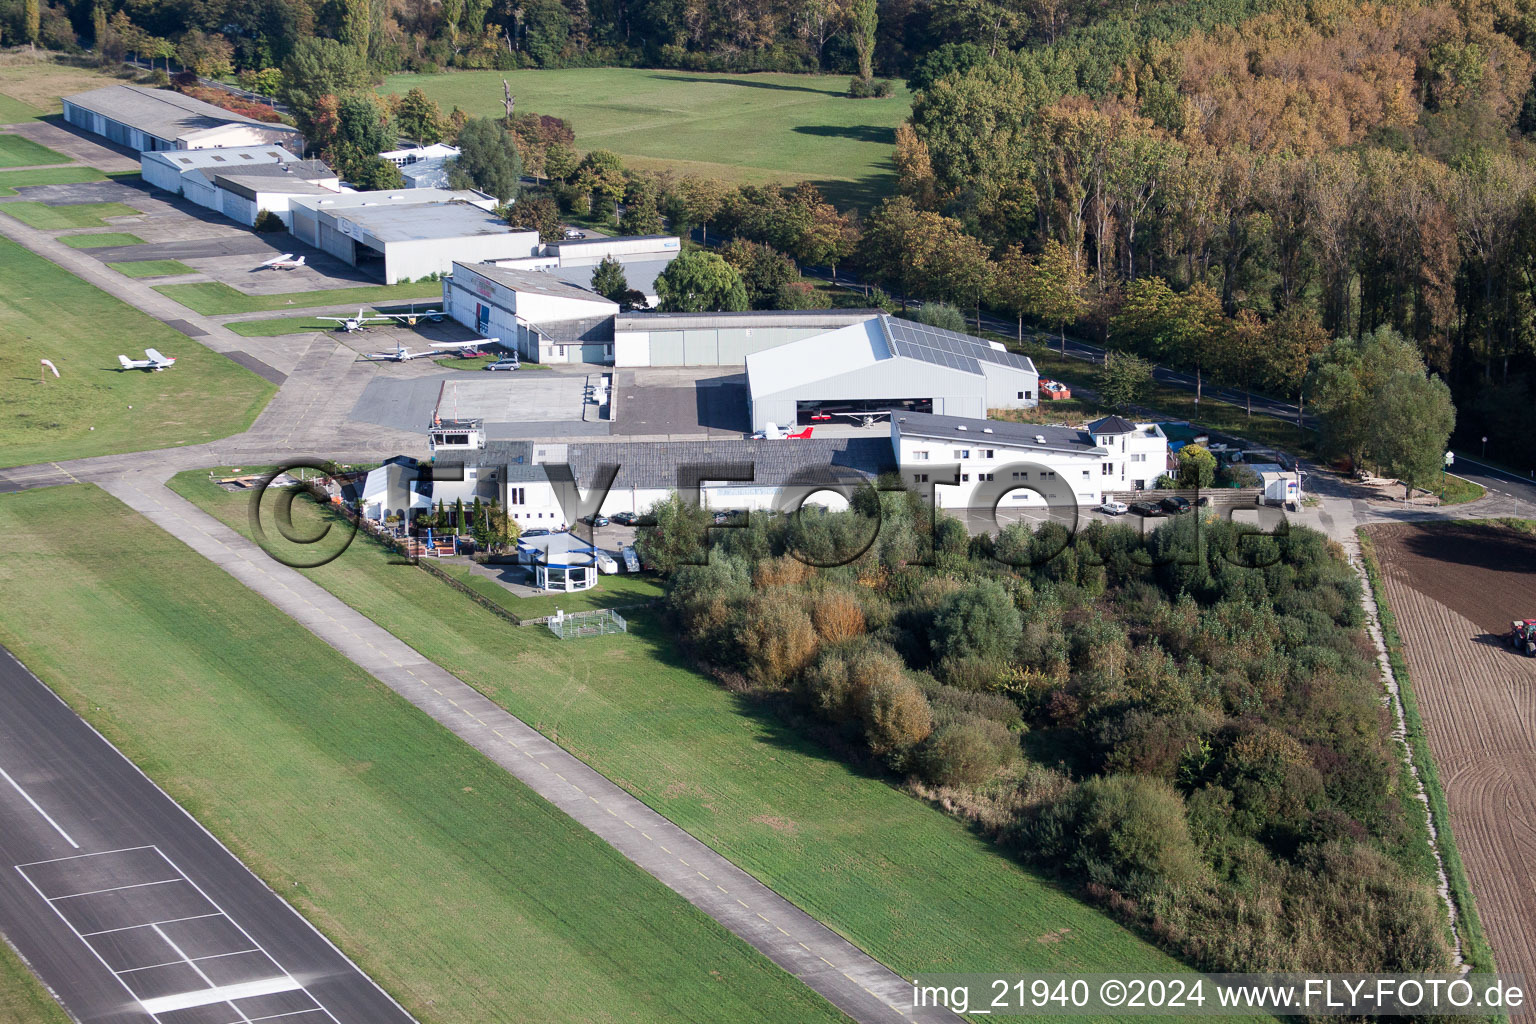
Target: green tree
697, 201
678, 536
608, 280
316, 68
941, 315
764, 271
1197, 466
1125, 379
641, 216
488, 160
538, 212
418, 118
1053, 284
864, 22
1380, 406
32, 21
1185, 328
700, 282
979, 621
601, 175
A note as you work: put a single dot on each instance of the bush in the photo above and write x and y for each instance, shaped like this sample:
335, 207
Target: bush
967, 751
1125, 832
268, 222
860, 88
884, 88
837, 616
941, 315
836, 684
777, 640
896, 715
1235, 474
977, 622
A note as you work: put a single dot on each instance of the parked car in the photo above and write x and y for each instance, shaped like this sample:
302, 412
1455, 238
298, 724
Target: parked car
624, 518
504, 364
574, 233
1174, 505
1114, 508
537, 531
1146, 509
595, 520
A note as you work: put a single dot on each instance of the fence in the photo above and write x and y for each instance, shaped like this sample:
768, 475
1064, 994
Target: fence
580, 624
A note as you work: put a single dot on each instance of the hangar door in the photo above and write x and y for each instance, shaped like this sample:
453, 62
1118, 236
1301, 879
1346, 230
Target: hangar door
701, 348
667, 348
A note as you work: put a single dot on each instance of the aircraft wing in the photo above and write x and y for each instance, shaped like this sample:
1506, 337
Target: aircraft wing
454, 345
156, 357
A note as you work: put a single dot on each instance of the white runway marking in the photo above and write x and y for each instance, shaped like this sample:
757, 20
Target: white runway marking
36, 807
269, 976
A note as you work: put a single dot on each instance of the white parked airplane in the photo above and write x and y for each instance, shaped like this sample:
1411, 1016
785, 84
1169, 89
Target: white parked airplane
464, 346
284, 262
353, 323
156, 361
410, 319
401, 354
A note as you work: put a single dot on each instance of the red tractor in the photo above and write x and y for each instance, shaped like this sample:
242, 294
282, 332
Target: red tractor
1522, 636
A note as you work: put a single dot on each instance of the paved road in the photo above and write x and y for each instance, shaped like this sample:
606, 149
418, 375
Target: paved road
128, 909
841, 972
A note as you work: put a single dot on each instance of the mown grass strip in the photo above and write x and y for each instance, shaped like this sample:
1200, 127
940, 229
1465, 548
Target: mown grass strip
215, 298
462, 892
73, 215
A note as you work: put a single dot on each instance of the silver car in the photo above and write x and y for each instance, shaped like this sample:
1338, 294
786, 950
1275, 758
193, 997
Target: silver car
504, 364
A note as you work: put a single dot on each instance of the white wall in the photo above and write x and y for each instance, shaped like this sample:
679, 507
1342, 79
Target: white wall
1058, 475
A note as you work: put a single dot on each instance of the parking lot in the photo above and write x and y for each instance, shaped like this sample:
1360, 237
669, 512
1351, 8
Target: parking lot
522, 405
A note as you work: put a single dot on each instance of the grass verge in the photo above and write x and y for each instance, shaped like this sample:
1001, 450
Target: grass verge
877, 865
463, 893
151, 268
12, 180
1458, 491
17, 151
14, 111
1474, 942
92, 408
215, 298
75, 215
23, 999
100, 240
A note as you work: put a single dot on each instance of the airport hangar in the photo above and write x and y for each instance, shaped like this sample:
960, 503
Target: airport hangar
155, 119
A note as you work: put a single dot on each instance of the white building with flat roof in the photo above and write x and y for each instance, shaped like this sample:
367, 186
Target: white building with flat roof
544, 318
157, 119
408, 233
239, 182
423, 166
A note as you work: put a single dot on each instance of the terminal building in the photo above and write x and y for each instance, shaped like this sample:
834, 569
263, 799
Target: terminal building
159, 119
408, 234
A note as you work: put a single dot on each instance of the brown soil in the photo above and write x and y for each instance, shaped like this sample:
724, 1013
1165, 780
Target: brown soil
1453, 590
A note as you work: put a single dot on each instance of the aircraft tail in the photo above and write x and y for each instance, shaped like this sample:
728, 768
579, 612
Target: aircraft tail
124, 363
299, 262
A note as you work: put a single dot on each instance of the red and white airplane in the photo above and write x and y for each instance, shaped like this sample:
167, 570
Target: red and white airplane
155, 362
774, 432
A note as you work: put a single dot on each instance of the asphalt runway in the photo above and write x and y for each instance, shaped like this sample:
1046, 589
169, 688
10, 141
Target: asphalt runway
128, 910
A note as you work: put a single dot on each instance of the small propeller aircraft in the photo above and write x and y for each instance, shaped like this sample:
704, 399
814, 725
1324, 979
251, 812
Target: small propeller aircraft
284, 262
412, 318
774, 432
156, 361
401, 354
464, 348
353, 323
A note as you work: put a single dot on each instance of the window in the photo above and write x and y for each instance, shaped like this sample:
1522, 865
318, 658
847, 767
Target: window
1047, 474
920, 478
986, 477
1108, 469
962, 453
1021, 476
1085, 474
965, 478
1139, 458
920, 455
515, 496
989, 453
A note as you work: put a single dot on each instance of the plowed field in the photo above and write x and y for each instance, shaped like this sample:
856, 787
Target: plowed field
1454, 589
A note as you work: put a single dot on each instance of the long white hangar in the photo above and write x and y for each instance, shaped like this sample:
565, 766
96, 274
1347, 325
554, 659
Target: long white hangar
865, 371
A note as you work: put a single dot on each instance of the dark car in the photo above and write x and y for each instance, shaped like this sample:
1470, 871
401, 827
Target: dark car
1146, 509
595, 520
536, 532
624, 518
1174, 505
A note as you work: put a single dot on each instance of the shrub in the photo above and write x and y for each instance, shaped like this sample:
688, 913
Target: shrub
837, 682
860, 88
268, 222
784, 571
837, 616
1125, 832
777, 640
941, 315
979, 621
896, 715
967, 751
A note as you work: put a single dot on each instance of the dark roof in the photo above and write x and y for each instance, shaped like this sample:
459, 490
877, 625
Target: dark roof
949, 428
655, 464
535, 281
946, 348
591, 328
1112, 425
